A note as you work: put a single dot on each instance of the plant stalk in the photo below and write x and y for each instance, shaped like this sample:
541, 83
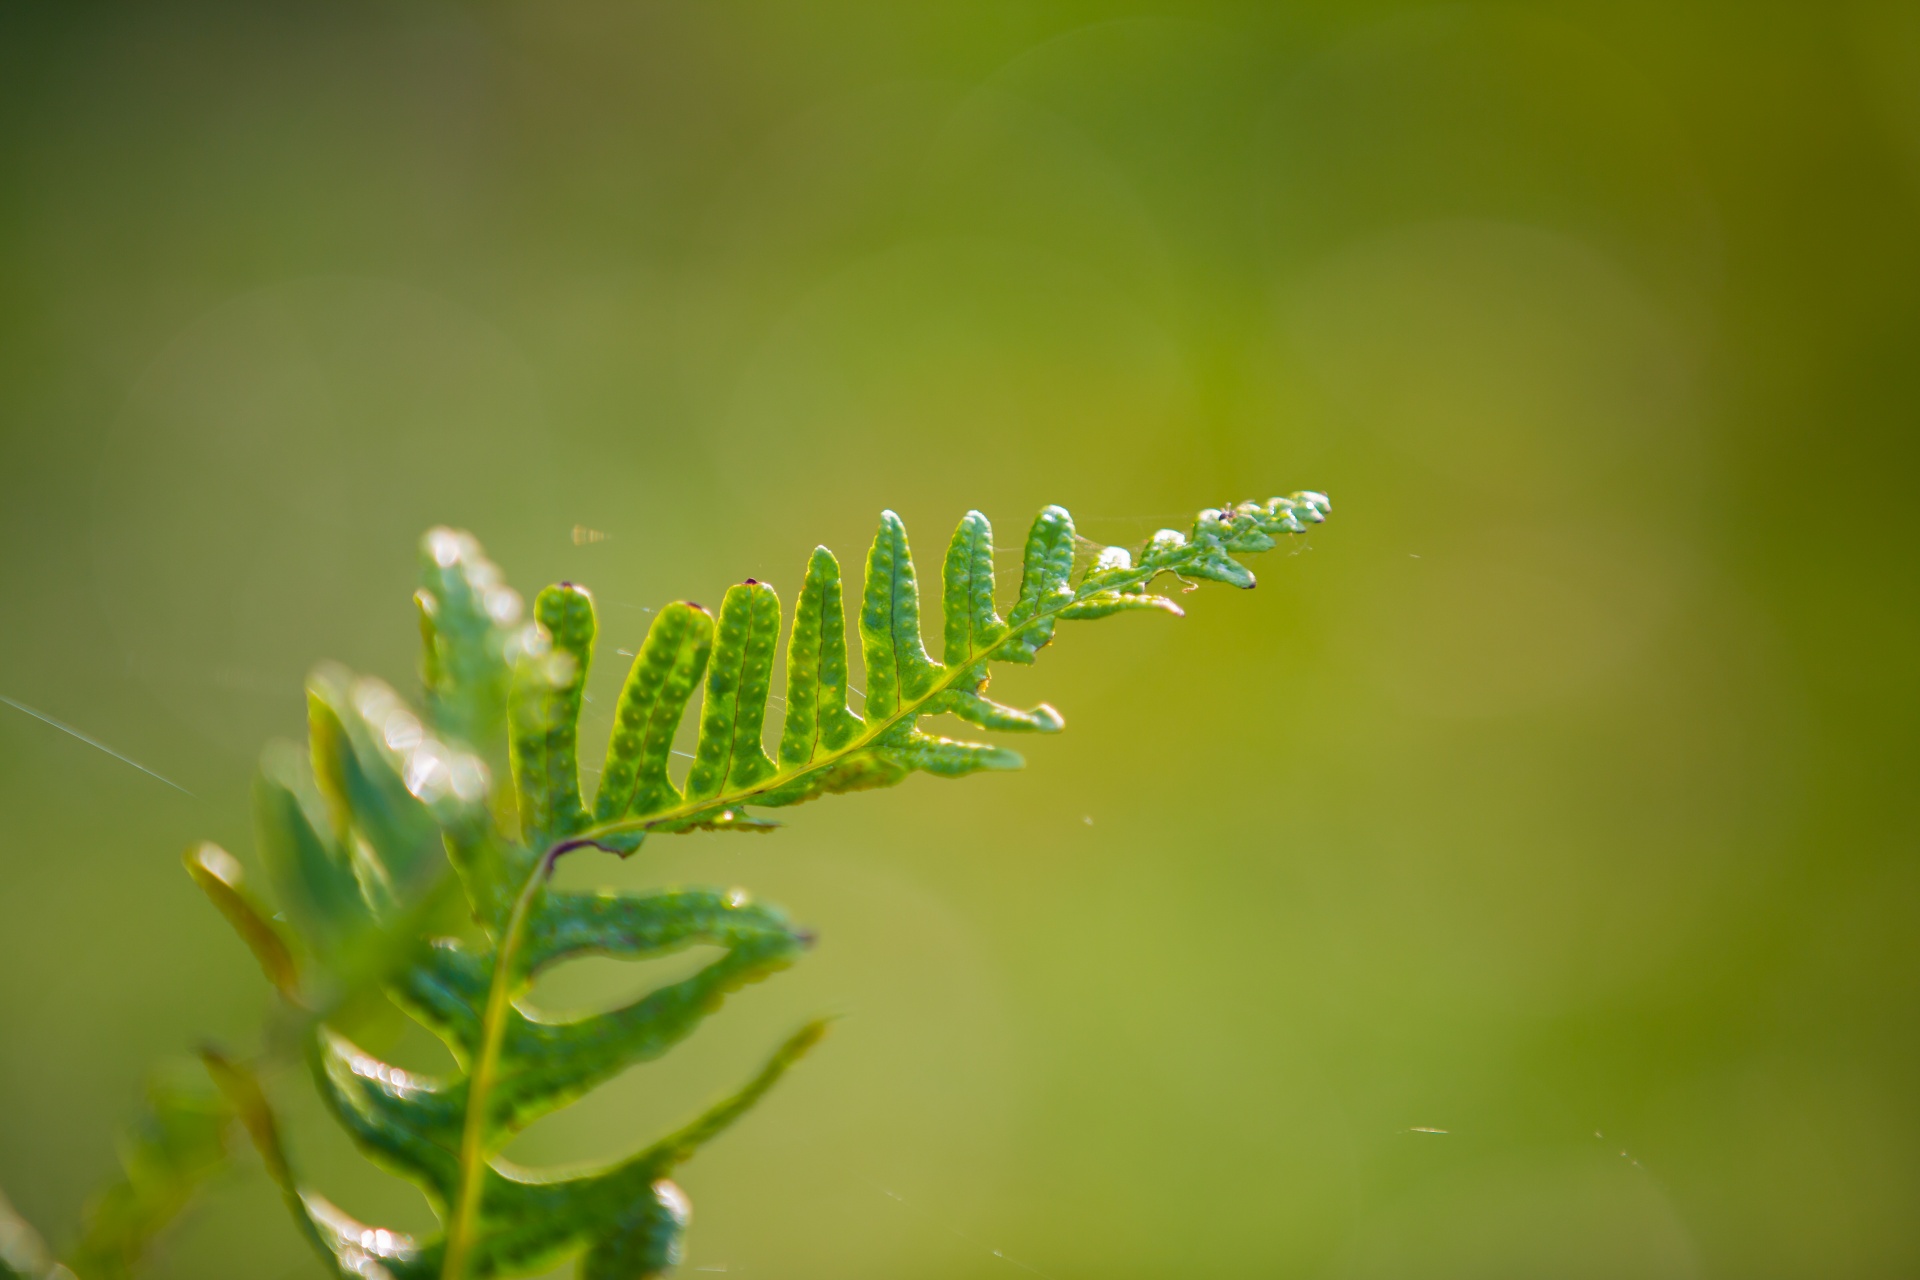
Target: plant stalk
493, 1028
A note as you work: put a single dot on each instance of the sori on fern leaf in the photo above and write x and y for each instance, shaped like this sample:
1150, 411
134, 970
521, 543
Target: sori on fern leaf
357, 831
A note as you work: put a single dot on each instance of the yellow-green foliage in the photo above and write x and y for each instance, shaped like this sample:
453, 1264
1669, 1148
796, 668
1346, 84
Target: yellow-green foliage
391, 819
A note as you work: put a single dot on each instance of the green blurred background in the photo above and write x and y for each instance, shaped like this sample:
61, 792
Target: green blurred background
1550, 796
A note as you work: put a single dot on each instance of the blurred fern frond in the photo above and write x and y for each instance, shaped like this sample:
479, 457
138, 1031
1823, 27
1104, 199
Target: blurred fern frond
176, 1143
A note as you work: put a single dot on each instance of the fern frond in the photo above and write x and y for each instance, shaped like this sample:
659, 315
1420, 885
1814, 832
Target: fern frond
350, 836
826, 748
178, 1140
176, 1143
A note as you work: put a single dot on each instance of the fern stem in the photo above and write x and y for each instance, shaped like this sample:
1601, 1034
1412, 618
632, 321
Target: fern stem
908, 712
493, 1028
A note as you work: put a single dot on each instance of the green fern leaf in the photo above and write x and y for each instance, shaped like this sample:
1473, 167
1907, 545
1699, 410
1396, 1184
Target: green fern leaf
634, 783
347, 835
973, 624
898, 667
469, 620
548, 684
1045, 568
739, 678
817, 716
307, 863
177, 1141
219, 877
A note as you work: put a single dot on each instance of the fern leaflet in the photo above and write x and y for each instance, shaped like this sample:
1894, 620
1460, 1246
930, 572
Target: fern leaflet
176, 1143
